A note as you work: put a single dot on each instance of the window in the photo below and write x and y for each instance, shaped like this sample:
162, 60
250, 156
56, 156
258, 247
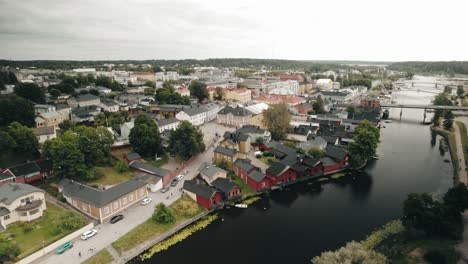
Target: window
130, 198
84, 208
6, 217
124, 200
33, 212
32, 197
106, 210
141, 192
22, 200
116, 205
24, 214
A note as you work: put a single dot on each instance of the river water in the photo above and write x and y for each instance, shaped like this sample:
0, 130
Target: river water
293, 225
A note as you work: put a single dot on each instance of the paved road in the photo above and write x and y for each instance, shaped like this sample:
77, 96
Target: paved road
134, 216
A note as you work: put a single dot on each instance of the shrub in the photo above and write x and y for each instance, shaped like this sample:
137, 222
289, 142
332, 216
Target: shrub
258, 156
121, 166
162, 215
8, 250
353, 252
94, 174
70, 221
26, 227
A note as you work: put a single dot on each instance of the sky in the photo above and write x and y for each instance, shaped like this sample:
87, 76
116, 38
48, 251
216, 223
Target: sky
369, 30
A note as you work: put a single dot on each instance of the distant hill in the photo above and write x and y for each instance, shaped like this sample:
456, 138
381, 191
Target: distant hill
447, 67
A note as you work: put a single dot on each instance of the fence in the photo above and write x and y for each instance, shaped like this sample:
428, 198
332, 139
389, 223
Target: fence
38, 254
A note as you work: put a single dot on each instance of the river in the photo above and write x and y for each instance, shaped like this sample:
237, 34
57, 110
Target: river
293, 225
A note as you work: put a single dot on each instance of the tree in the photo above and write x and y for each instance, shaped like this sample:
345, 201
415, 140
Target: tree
167, 95
219, 95
16, 109
316, 153
457, 198
95, 144
144, 137
259, 140
30, 91
366, 140
186, 141
353, 252
441, 99
94, 92
277, 118
121, 166
198, 90
448, 119
150, 84
54, 93
24, 138
460, 91
351, 110
8, 250
318, 105
67, 159
162, 215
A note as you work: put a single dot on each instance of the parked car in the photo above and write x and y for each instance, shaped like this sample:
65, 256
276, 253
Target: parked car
66, 246
116, 218
165, 189
180, 177
88, 234
147, 200
174, 182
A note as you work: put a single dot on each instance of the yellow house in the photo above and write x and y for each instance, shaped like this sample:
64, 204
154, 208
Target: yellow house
225, 155
236, 140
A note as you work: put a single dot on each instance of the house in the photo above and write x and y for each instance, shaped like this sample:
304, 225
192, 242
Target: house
211, 172
204, 195
44, 133
258, 181
125, 129
109, 106
103, 204
153, 182
150, 169
6, 178
20, 202
84, 100
225, 155
302, 133
280, 173
26, 172
236, 140
370, 102
228, 189
241, 95
234, 116
52, 118
170, 123
270, 99
85, 114
196, 115
336, 159
183, 91
323, 84
132, 157
316, 142
43, 108
242, 167
255, 132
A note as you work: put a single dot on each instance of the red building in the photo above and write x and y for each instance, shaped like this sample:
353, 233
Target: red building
370, 102
228, 189
203, 194
336, 159
31, 171
242, 168
258, 181
280, 173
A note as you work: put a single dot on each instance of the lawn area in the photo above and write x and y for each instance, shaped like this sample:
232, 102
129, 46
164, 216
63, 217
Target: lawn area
453, 147
102, 257
111, 176
183, 209
464, 138
268, 160
44, 231
159, 163
120, 153
246, 190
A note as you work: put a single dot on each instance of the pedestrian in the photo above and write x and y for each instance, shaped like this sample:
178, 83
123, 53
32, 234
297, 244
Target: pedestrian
79, 254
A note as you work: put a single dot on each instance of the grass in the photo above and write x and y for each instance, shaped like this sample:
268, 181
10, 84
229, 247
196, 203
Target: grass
453, 147
337, 175
120, 153
159, 163
268, 160
464, 138
246, 190
183, 209
102, 257
111, 176
43, 233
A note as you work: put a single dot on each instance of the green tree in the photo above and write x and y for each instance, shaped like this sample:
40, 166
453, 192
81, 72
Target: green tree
67, 159
150, 84
144, 137
24, 138
366, 139
460, 91
316, 153
94, 92
16, 109
219, 93
198, 90
54, 93
441, 99
70, 221
259, 140
277, 118
30, 91
162, 215
457, 198
353, 252
448, 119
8, 250
95, 144
121, 166
186, 141
318, 105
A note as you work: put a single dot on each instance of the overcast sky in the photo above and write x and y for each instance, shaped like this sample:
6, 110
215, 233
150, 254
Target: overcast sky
390, 30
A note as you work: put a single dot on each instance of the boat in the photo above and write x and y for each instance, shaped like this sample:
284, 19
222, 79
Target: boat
241, 205
388, 121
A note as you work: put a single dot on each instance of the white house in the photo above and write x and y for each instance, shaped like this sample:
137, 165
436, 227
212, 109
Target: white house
198, 115
43, 108
109, 106
44, 133
125, 129
171, 123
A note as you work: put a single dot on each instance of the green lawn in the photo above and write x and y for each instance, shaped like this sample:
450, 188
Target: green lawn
111, 176
120, 153
464, 137
159, 163
183, 209
44, 231
246, 190
268, 160
102, 257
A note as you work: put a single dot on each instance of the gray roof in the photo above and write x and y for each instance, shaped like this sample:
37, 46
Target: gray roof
249, 129
199, 189
133, 156
149, 168
11, 191
97, 197
335, 152
109, 103
326, 161
226, 151
4, 176
243, 165
167, 121
235, 136
256, 175
4, 211
224, 185
25, 169
193, 111
210, 170
236, 111
46, 130
276, 169
86, 97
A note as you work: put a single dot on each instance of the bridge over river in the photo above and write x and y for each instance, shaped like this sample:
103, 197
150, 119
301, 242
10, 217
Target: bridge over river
418, 106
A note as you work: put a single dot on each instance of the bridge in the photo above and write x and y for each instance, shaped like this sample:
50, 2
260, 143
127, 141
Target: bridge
415, 106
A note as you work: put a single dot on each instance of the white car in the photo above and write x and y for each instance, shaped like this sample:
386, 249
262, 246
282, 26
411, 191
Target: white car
180, 177
146, 201
88, 234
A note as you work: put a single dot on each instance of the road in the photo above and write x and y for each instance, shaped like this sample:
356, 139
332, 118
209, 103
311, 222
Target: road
134, 216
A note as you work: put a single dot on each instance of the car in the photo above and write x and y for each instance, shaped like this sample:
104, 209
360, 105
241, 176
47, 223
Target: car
165, 189
174, 182
66, 246
88, 234
180, 177
146, 201
258, 153
116, 218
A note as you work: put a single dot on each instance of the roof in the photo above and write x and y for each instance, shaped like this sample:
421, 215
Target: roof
86, 97
256, 175
210, 170
200, 189
109, 103
236, 111
243, 164
276, 169
4, 176
310, 162
330, 139
250, 129
314, 142
193, 111
225, 151
326, 161
149, 168
224, 185
11, 191
97, 197
25, 169
335, 152
235, 136
46, 130
167, 121
44, 164
4, 211
133, 156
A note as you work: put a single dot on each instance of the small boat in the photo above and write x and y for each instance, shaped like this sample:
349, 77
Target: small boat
388, 121
241, 205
